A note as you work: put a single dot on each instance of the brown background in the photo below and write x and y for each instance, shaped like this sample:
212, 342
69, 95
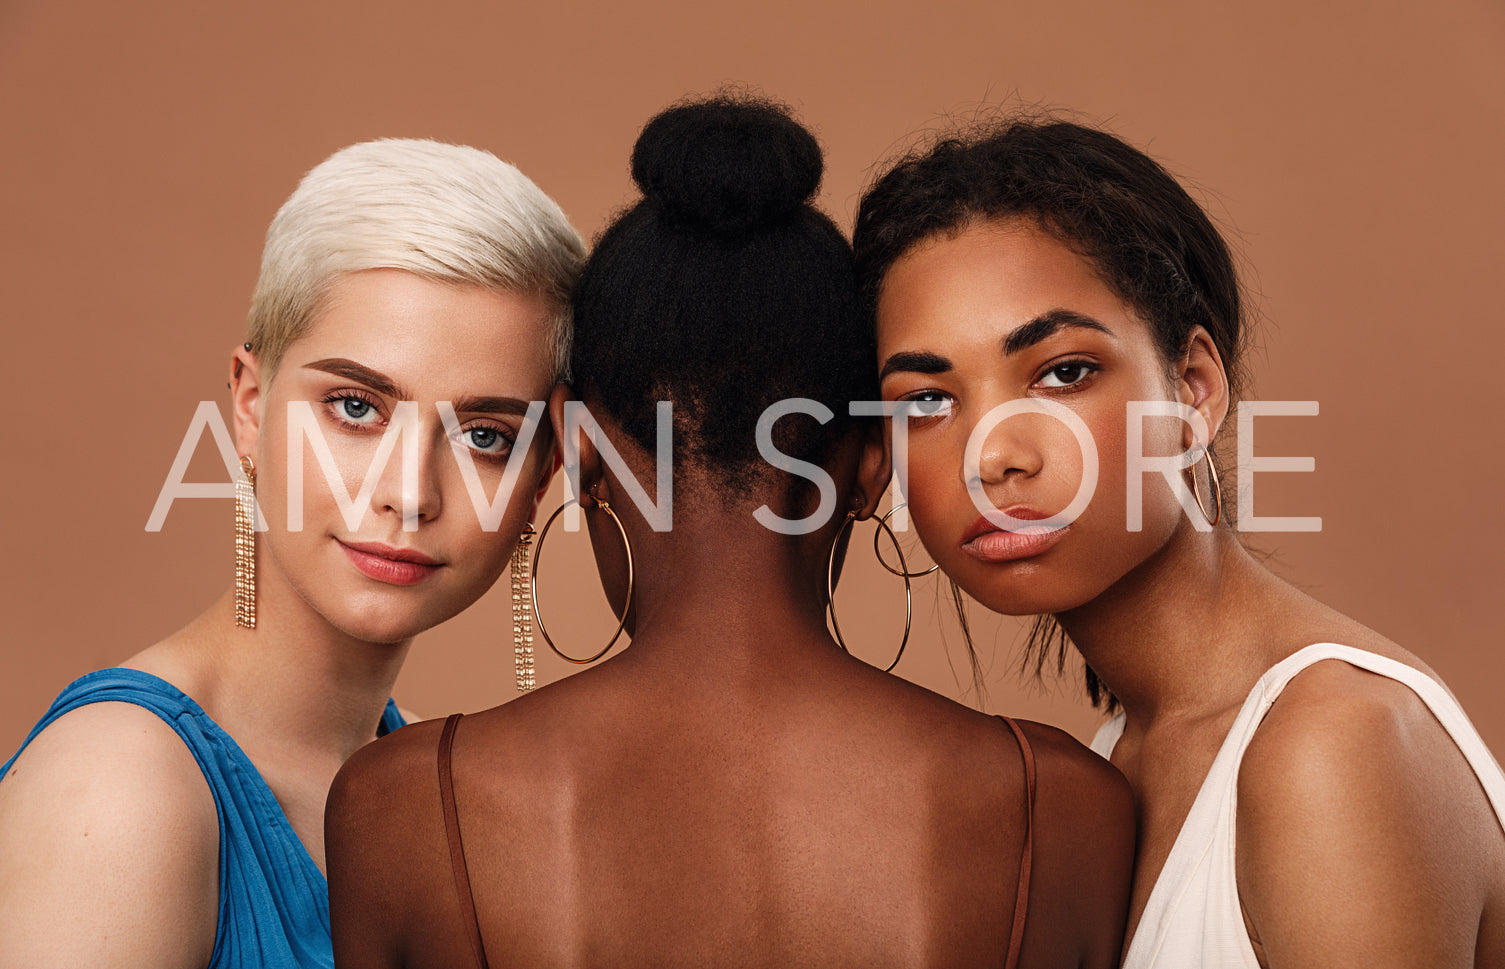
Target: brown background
1354, 150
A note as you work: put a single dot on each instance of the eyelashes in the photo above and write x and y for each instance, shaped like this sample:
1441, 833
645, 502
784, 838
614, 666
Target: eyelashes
1059, 377
1067, 375
491, 442
359, 412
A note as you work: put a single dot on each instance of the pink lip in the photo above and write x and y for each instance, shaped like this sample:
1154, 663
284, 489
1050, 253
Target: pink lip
986, 541
395, 566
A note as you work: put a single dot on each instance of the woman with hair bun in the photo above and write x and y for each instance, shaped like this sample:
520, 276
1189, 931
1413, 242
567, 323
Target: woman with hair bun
1310, 794
734, 789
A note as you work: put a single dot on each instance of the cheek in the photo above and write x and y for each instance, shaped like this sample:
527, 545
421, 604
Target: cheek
353, 458
932, 469
464, 535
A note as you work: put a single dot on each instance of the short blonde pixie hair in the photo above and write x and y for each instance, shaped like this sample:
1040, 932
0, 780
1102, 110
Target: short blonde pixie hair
444, 212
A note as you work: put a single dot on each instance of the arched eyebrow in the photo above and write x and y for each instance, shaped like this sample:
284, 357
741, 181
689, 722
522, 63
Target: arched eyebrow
491, 405
1047, 325
382, 384
361, 374
914, 361
1020, 338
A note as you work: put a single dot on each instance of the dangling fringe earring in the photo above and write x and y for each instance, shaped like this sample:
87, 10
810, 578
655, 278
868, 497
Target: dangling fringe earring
245, 545
522, 612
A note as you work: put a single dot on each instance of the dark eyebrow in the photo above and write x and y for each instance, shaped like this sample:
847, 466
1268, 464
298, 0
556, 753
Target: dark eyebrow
351, 370
491, 405
915, 361
1047, 325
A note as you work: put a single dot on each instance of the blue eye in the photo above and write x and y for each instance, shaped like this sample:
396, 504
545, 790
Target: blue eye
487, 441
353, 408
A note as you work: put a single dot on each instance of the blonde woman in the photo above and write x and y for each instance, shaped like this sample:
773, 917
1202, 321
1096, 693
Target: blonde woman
169, 812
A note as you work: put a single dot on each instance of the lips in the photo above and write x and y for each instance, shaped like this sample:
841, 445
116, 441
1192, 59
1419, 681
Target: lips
987, 542
394, 566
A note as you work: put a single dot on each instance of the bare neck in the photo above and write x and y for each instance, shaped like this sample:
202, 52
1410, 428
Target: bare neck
1185, 635
722, 595
294, 681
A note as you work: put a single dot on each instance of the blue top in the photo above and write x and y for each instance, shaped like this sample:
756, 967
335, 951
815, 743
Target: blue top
273, 900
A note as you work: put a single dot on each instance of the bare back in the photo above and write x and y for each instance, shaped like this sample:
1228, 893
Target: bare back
832, 817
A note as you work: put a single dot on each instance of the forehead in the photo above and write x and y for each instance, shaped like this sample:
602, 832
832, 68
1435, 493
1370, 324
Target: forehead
986, 280
438, 339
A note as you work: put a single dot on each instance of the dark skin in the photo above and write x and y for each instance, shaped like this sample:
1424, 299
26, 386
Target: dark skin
1364, 839
732, 789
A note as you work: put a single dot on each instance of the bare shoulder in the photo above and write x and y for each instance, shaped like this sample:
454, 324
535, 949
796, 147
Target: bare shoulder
1338, 728
107, 821
384, 818
399, 764
1091, 790
1084, 852
119, 759
1360, 820
382, 800
1080, 796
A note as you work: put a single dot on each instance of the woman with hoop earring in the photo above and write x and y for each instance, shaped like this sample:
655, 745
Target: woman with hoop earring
733, 789
1310, 794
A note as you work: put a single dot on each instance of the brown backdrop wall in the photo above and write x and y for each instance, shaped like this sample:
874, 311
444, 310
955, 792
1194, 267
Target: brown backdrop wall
1354, 150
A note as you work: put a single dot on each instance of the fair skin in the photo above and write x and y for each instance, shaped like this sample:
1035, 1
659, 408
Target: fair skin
108, 832
1364, 840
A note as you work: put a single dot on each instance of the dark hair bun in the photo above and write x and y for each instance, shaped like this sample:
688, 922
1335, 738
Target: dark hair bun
727, 166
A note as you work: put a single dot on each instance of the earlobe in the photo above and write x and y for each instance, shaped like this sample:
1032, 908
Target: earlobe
245, 398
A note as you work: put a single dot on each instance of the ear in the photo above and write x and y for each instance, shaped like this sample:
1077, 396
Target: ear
1202, 383
548, 468
875, 467
589, 458
246, 386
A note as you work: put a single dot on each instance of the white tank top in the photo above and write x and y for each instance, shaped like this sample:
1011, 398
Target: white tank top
1193, 916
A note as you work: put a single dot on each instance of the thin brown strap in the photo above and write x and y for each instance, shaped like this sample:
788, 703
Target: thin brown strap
452, 834
1026, 857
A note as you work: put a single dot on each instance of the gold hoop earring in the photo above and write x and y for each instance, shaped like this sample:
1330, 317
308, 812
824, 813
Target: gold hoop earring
522, 613
1214, 484
533, 584
245, 544
903, 571
883, 520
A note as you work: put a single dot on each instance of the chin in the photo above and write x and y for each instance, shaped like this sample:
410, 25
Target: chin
383, 616
1013, 602
1025, 588
387, 627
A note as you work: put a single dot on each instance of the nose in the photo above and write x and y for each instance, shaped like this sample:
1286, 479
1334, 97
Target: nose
1003, 446
409, 486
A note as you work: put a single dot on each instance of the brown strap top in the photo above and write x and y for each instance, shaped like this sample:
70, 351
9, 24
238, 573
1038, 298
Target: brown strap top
1026, 857
467, 898
456, 846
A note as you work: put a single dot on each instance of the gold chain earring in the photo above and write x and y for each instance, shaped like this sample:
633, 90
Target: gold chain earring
902, 571
1214, 484
522, 612
245, 544
538, 564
